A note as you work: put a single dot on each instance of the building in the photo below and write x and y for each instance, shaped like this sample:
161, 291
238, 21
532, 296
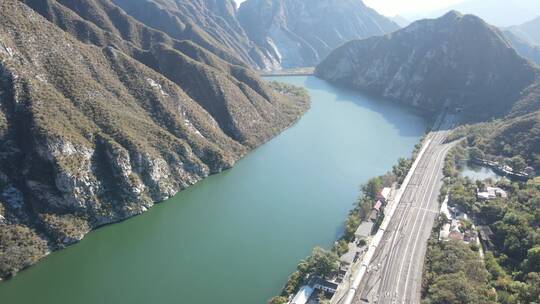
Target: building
348, 258
456, 235
384, 196
329, 287
302, 296
491, 193
486, 237
364, 230
376, 211
454, 228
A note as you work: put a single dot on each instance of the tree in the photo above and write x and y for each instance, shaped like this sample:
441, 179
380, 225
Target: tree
278, 300
365, 205
536, 161
532, 263
492, 211
293, 283
401, 169
517, 163
341, 247
456, 288
373, 187
531, 292
514, 235
322, 262
454, 274
495, 270
350, 227
475, 153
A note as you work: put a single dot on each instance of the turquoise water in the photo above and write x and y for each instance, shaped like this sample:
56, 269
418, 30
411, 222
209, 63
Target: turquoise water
476, 172
236, 236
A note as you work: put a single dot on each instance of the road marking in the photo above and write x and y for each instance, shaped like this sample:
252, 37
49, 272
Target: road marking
379, 235
437, 165
413, 229
427, 210
439, 137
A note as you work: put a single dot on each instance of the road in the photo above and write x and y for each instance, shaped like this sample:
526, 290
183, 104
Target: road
394, 275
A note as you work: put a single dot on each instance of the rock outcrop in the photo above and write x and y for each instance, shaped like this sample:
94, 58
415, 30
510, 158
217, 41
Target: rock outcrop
102, 116
301, 33
456, 60
209, 23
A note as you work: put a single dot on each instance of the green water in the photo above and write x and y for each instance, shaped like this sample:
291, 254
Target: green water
476, 172
235, 237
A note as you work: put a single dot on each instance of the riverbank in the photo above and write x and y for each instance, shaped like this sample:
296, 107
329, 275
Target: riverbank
353, 252
25, 242
307, 71
254, 221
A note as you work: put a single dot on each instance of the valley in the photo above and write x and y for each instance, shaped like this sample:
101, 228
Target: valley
197, 151
235, 237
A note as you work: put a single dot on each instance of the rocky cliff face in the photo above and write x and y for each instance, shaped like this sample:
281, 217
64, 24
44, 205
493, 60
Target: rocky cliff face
210, 23
102, 116
456, 60
301, 32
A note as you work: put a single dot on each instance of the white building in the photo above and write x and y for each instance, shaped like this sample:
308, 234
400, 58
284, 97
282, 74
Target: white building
302, 296
491, 193
385, 194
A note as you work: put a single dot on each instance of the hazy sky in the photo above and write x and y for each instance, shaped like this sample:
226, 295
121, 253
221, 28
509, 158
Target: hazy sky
406, 7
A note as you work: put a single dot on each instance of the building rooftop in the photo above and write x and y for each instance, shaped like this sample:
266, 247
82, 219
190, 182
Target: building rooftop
385, 193
492, 193
325, 283
456, 236
364, 230
302, 296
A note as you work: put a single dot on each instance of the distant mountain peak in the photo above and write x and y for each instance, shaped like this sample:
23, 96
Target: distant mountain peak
453, 14
528, 31
457, 59
303, 32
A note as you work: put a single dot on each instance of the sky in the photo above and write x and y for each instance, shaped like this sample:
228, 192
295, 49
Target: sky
406, 7
496, 12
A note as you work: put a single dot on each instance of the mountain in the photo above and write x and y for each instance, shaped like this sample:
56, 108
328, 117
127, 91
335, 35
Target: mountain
400, 20
302, 32
101, 116
496, 12
524, 48
516, 136
456, 60
210, 23
529, 31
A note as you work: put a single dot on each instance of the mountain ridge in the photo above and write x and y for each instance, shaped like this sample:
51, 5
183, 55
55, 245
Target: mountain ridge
275, 25
529, 31
95, 129
429, 63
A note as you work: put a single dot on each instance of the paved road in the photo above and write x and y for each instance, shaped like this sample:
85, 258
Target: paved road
395, 273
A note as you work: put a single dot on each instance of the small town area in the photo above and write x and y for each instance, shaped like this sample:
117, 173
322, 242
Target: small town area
333, 288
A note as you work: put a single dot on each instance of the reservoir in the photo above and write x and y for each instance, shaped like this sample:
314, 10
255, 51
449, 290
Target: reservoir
235, 237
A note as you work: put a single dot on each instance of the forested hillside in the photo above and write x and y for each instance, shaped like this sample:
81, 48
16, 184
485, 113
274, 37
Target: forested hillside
102, 116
